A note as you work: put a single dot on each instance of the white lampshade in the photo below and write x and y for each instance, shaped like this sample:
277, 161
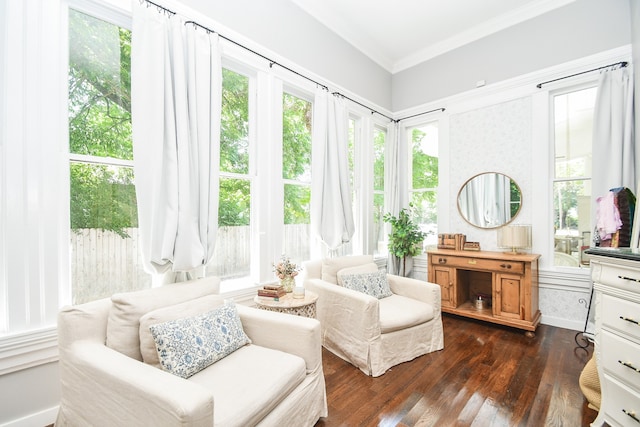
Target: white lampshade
514, 237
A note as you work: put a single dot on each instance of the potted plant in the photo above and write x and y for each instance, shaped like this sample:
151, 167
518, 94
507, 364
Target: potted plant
405, 239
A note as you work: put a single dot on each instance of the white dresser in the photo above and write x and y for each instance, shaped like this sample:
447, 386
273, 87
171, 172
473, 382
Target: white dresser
616, 281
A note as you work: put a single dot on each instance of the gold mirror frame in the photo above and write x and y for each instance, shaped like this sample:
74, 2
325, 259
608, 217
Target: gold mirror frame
489, 209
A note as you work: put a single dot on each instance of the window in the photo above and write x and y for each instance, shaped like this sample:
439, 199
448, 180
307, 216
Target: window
231, 258
379, 145
573, 125
423, 190
296, 174
103, 214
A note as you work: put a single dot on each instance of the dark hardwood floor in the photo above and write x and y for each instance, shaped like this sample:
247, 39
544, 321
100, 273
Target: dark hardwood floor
487, 375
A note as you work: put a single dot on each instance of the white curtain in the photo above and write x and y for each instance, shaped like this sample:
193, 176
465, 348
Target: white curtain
395, 180
331, 212
176, 79
614, 154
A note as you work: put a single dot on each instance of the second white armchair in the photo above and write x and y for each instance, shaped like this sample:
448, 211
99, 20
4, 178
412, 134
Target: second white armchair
367, 324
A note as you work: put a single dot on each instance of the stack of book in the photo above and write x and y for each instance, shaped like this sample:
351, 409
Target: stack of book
272, 291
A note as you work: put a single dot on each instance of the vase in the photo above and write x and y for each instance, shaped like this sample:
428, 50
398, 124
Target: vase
288, 283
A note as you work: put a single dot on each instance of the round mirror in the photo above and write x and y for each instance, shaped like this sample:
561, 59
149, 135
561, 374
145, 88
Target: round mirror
489, 200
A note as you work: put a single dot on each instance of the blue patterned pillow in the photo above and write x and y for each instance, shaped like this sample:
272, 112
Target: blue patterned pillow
188, 345
374, 284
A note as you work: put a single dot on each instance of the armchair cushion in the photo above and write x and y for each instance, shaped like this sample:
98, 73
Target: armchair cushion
370, 267
248, 384
398, 312
172, 312
331, 266
188, 345
123, 324
373, 284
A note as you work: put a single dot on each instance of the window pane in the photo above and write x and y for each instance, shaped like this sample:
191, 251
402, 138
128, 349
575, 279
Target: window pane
573, 118
424, 179
573, 133
234, 126
425, 157
296, 147
296, 170
231, 258
297, 222
232, 254
378, 224
572, 217
99, 88
379, 139
103, 213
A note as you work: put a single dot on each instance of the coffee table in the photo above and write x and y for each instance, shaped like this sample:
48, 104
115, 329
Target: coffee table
305, 307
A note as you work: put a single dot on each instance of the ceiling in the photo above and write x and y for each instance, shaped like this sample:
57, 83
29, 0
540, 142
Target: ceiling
398, 34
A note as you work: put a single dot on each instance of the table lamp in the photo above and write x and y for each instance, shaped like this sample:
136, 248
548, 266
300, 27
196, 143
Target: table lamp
514, 237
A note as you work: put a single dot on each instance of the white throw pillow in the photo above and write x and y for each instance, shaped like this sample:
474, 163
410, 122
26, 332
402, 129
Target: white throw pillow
370, 267
172, 312
188, 345
374, 284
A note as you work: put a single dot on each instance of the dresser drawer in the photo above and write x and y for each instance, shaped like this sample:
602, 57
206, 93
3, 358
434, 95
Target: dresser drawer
619, 276
499, 266
621, 315
622, 404
621, 358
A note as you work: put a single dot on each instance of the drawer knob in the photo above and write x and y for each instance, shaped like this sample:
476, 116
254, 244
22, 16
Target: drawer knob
507, 266
629, 365
627, 319
442, 260
632, 414
628, 278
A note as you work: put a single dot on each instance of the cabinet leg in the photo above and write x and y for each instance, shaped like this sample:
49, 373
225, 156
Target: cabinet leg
530, 334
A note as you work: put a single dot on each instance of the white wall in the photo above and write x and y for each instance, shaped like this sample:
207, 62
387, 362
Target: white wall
284, 28
582, 28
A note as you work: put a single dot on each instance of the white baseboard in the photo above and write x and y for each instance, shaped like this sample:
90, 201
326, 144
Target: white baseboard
575, 325
40, 419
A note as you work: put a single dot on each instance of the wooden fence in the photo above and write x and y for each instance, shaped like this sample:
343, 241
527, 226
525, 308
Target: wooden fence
103, 263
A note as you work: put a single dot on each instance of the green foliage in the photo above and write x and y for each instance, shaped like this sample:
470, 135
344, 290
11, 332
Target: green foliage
296, 158
102, 196
234, 125
406, 237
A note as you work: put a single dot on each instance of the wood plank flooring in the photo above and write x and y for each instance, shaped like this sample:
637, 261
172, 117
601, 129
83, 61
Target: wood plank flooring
487, 375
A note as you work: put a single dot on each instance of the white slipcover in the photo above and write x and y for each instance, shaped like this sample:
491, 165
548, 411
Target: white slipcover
374, 334
275, 381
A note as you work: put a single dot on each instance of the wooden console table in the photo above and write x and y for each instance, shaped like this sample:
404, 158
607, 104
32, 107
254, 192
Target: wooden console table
508, 281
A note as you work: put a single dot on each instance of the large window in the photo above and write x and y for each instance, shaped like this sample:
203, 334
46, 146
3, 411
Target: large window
423, 191
231, 258
104, 234
573, 126
296, 174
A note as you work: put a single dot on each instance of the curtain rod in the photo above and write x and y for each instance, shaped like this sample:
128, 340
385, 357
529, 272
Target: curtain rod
362, 105
420, 114
622, 65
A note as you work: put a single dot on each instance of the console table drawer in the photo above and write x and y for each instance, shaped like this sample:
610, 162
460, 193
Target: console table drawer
622, 359
501, 266
621, 315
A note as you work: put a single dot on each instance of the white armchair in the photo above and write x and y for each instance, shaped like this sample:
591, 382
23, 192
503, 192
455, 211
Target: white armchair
371, 333
277, 380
